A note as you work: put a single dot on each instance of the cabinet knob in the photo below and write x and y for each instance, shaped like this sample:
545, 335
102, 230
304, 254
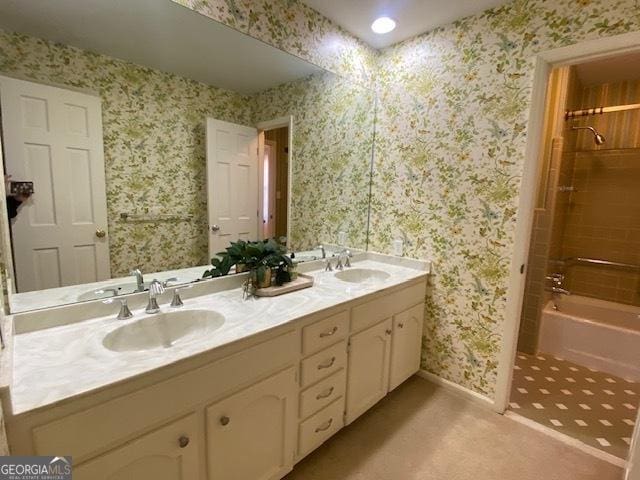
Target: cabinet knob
183, 441
401, 325
224, 420
100, 233
388, 331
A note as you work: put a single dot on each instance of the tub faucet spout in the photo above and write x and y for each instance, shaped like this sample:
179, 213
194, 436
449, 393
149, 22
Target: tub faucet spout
560, 291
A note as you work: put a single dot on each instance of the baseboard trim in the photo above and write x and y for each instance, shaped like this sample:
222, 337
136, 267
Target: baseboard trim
566, 439
458, 389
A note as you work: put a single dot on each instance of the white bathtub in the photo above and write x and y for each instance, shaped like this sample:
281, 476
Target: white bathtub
595, 333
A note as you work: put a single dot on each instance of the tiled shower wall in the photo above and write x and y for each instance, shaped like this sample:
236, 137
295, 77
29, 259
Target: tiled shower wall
603, 219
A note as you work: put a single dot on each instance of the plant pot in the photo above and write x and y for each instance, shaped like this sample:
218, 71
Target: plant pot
241, 268
263, 282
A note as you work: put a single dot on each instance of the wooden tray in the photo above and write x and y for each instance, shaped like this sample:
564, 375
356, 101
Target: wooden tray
303, 281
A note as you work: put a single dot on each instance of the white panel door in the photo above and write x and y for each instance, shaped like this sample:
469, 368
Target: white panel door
232, 183
53, 137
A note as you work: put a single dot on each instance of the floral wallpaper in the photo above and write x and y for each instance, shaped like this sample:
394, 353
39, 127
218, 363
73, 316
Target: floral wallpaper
333, 121
292, 26
450, 143
154, 145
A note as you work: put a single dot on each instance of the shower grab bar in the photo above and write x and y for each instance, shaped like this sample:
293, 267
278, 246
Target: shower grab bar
598, 262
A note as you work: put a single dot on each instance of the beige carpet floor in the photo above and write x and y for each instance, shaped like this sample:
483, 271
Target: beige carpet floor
422, 432
597, 408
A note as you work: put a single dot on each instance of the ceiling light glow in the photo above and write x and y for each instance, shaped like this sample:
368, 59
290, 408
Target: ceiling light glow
383, 25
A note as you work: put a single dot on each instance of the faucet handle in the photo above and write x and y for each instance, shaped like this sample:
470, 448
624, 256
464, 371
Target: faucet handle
156, 287
327, 265
177, 301
124, 312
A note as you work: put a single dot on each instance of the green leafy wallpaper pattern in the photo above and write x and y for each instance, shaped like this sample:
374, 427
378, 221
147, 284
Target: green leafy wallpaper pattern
294, 27
154, 145
450, 142
333, 123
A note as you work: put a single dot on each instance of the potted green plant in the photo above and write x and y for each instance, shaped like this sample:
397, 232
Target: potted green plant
263, 259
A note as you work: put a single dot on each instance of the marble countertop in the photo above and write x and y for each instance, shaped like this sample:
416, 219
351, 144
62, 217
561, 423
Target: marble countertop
58, 363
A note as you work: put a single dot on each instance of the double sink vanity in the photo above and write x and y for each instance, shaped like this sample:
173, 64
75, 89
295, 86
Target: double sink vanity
220, 388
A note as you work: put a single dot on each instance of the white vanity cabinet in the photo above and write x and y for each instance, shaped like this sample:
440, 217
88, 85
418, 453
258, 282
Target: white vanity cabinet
386, 349
368, 379
251, 434
406, 344
167, 453
248, 411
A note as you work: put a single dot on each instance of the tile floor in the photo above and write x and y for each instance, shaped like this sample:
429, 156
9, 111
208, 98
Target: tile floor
596, 408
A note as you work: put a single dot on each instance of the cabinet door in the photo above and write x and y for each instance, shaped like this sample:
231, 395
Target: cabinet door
368, 373
251, 434
406, 345
168, 453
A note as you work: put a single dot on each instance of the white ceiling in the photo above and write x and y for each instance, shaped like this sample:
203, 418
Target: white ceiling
159, 34
412, 16
610, 70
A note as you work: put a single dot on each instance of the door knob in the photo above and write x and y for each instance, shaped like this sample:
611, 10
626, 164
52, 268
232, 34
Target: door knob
100, 233
215, 228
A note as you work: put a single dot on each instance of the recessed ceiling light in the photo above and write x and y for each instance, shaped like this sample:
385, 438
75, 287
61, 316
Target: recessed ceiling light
383, 25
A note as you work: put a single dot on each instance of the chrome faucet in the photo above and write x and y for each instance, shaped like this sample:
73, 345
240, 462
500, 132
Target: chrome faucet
139, 279
114, 291
155, 288
346, 254
124, 312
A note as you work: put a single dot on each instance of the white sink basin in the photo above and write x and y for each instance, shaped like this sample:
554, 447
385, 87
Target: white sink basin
163, 330
362, 275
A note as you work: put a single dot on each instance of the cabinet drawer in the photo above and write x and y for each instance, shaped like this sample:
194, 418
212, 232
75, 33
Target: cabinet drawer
321, 426
323, 393
381, 308
324, 332
324, 363
138, 410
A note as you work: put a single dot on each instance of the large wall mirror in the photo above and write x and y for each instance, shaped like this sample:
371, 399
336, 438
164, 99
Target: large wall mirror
153, 136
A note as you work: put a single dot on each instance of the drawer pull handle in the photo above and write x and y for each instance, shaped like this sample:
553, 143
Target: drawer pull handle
401, 325
183, 441
224, 420
328, 364
327, 394
329, 333
388, 331
325, 426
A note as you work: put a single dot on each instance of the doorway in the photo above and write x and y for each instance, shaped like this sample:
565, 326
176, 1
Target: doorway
275, 180
577, 367
275, 140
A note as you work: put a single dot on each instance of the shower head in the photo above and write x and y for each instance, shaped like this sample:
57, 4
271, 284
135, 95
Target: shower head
599, 139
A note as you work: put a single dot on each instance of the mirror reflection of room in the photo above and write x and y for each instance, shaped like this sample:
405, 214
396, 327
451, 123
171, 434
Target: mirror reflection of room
129, 181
